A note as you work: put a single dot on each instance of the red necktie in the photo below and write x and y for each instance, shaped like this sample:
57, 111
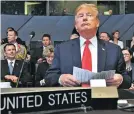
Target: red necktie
87, 60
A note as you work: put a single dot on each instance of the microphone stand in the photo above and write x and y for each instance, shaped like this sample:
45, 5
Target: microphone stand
28, 48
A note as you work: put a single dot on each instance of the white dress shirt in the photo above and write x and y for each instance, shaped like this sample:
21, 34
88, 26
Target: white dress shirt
44, 47
93, 46
120, 43
16, 45
11, 61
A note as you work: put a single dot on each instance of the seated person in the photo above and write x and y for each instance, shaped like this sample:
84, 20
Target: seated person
48, 55
87, 52
11, 67
129, 66
116, 37
46, 41
105, 36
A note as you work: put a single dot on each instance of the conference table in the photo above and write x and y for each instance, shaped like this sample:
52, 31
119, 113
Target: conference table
123, 94
81, 112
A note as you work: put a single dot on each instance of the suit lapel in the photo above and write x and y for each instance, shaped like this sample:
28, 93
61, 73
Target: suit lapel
132, 72
101, 56
5, 67
76, 54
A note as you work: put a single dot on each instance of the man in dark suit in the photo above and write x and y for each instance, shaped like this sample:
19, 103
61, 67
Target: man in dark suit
87, 52
10, 68
46, 41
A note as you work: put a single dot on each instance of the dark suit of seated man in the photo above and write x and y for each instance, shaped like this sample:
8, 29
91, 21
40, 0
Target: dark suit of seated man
87, 52
10, 68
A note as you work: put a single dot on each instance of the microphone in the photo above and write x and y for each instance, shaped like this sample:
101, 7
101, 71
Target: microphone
32, 34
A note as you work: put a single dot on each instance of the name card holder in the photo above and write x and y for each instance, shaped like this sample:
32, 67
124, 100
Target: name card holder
104, 98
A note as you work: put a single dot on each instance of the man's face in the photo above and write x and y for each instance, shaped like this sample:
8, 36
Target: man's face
50, 58
10, 52
11, 36
127, 56
86, 20
46, 41
104, 36
116, 35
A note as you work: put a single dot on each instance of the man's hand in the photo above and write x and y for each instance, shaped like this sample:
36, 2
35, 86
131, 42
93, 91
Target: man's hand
13, 78
115, 81
68, 80
28, 57
132, 86
40, 60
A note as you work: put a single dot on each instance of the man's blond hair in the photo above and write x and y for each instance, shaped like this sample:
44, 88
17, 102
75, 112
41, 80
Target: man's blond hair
92, 7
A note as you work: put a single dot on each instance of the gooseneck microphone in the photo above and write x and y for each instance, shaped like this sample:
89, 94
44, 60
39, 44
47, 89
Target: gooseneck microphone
31, 35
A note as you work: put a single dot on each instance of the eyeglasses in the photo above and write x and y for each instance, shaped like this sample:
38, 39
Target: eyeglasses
125, 54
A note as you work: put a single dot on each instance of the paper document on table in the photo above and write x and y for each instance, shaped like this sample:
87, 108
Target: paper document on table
85, 75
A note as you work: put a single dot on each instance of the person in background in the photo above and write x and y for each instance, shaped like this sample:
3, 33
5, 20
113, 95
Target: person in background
46, 41
11, 67
87, 52
64, 12
48, 54
104, 36
109, 12
129, 65
18, 40
73, 36
116, 36
21, 51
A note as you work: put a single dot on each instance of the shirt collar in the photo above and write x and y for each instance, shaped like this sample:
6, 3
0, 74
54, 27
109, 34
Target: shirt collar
93, 41
129, 67
11, 61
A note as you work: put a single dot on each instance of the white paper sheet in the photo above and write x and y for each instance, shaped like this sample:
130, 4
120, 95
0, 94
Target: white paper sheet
85, 76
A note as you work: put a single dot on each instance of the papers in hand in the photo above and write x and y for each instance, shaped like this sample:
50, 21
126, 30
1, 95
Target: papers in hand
84, 76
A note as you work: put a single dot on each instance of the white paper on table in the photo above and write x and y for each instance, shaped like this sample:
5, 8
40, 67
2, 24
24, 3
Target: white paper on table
5, 85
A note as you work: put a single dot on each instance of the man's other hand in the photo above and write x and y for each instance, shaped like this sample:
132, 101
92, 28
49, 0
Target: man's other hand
115, 81
68, 80
40, 60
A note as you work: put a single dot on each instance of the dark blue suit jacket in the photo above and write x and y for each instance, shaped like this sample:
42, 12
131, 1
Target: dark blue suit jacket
68, 55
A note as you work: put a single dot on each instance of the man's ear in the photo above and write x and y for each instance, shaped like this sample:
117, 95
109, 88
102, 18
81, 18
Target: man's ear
75, 26
98, 23
50, 42
4, 54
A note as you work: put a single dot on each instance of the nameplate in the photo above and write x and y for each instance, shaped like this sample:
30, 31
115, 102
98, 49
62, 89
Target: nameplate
30, 100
